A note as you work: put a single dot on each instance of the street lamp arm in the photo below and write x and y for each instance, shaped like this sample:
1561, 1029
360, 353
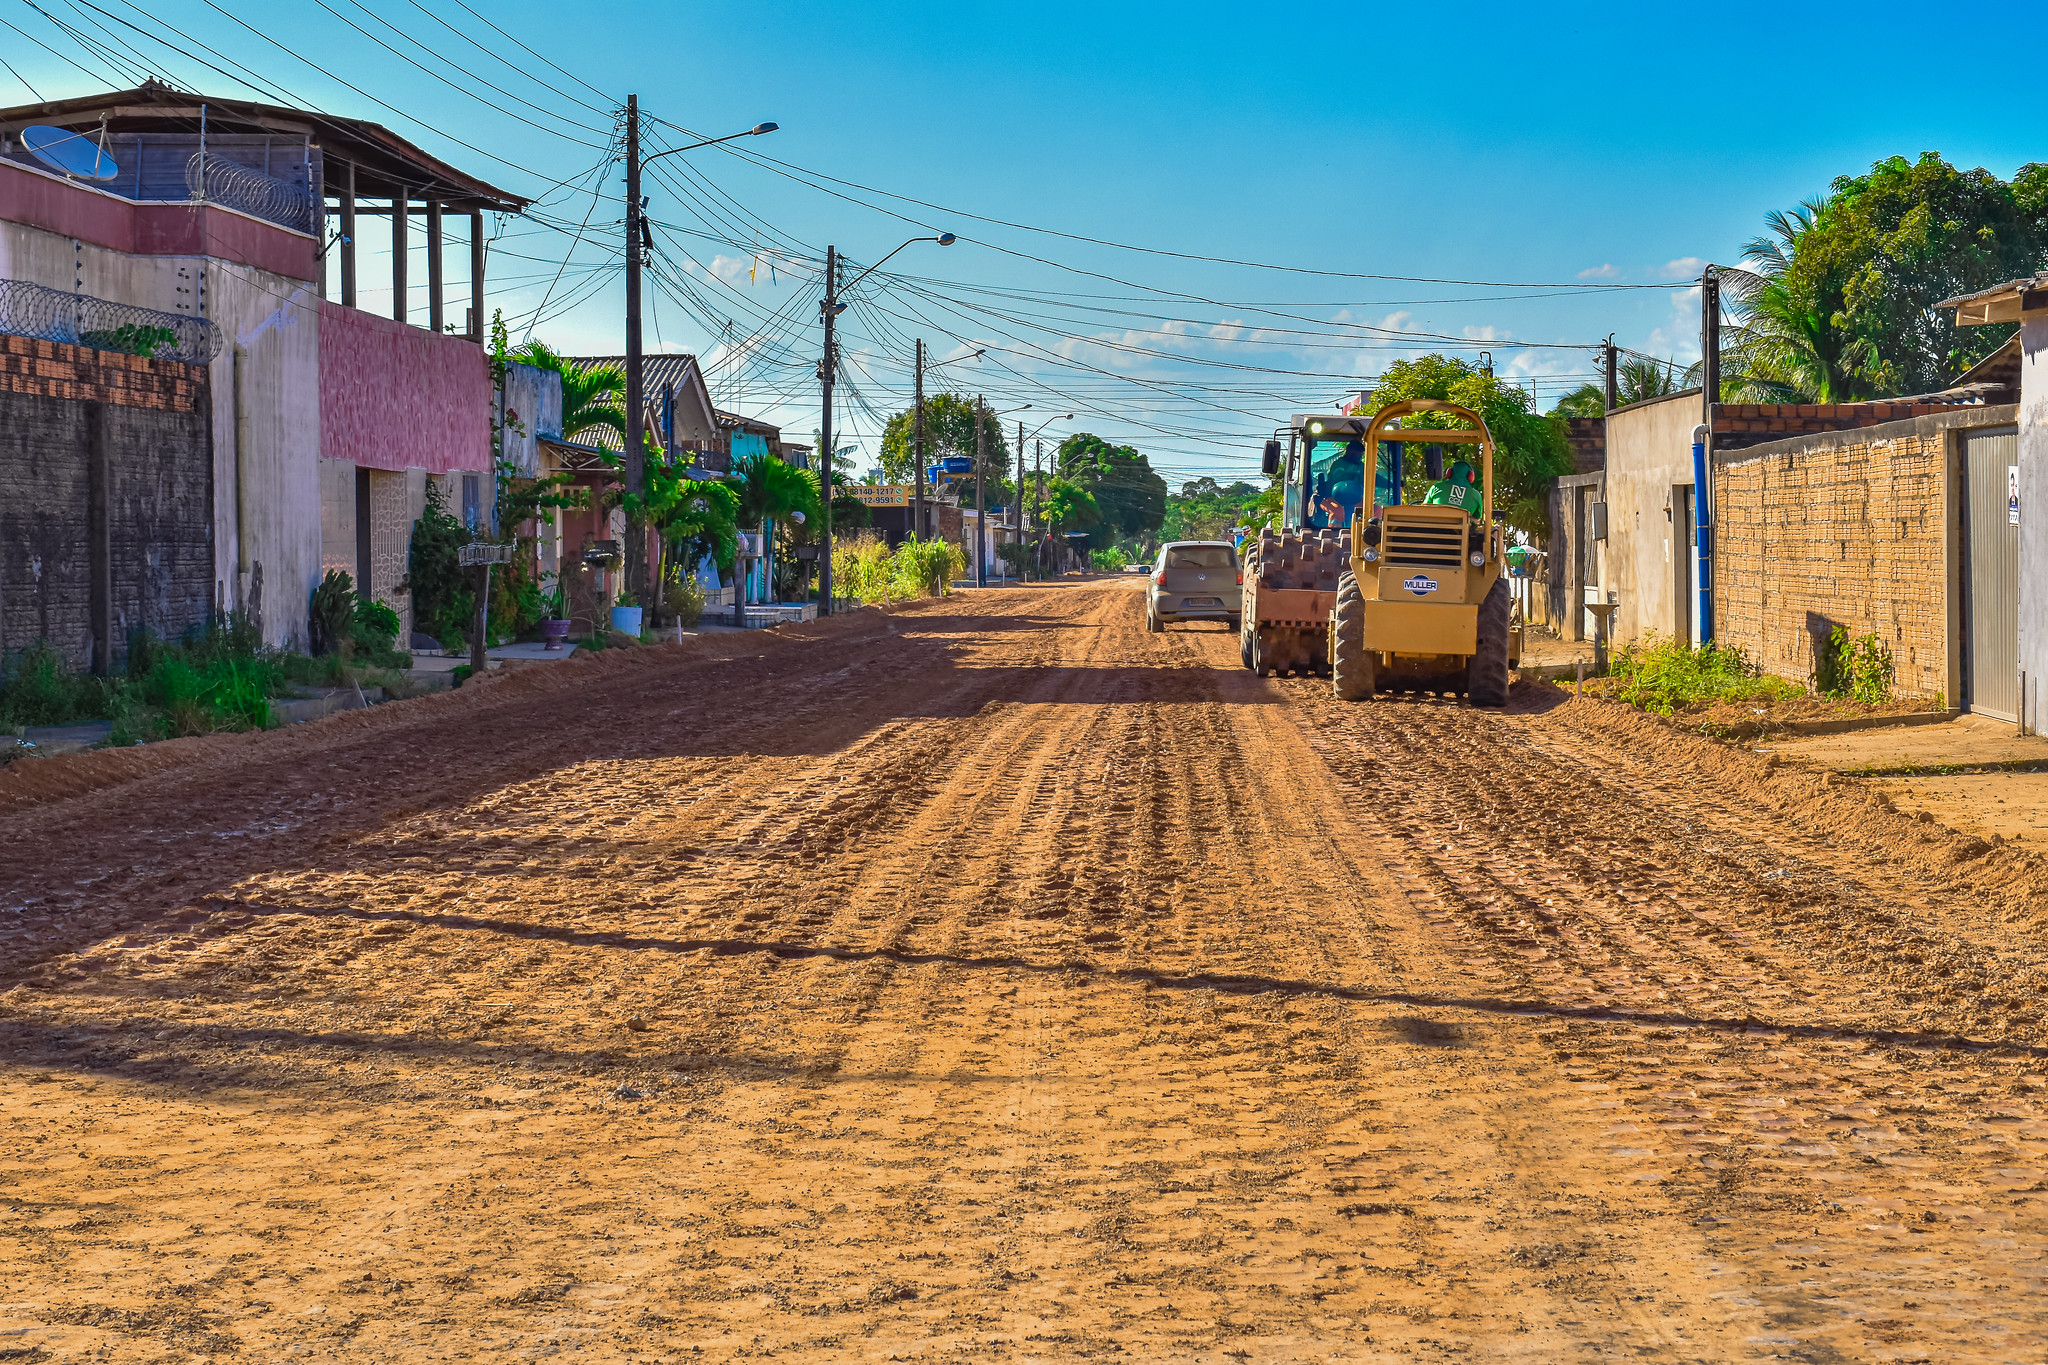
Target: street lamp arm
1063, 417
943, 239
754, 131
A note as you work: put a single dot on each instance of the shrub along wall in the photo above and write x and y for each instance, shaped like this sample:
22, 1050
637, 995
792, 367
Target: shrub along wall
106, 499
1844, 528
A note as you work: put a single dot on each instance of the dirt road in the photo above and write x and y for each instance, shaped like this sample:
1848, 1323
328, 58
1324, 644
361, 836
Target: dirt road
993, 980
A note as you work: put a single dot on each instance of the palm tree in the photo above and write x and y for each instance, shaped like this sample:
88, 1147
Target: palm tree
768, 490
1784, 346
1638, 378
593, 396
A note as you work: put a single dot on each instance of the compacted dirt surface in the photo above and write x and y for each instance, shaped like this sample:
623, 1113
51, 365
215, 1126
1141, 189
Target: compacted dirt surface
992, 980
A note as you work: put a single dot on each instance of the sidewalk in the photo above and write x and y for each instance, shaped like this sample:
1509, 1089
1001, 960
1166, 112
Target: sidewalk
1972, 773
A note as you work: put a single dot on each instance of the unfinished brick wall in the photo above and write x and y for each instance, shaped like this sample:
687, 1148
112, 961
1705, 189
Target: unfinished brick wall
1836, 530
106, 499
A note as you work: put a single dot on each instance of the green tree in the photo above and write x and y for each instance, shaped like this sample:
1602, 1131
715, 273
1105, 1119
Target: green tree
1207, 510
593, 396
1636, 380
948, 431
1837, 301
1530, 448
1130, 494
1067, 506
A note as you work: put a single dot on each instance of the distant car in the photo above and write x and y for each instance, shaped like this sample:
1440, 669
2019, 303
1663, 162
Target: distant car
1194, 580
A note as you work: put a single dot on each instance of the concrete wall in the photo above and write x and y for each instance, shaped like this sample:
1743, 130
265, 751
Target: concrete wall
2032, 416
266, 508
1649, 451
105, 499
1851, 528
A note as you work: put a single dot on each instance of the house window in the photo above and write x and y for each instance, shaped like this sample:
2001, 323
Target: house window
472, 502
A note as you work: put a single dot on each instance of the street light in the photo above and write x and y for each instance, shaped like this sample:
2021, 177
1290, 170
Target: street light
917, 528
982, 417
830, 308
639, 238
1021, 439
754, 131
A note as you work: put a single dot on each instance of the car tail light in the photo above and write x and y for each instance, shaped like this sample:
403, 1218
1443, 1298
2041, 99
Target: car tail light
1240, 578
1161, 579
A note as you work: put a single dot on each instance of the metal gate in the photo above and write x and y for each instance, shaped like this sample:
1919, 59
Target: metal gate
1991, 611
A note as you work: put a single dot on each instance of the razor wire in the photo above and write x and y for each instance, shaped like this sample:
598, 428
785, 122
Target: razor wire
214, 181
35, 310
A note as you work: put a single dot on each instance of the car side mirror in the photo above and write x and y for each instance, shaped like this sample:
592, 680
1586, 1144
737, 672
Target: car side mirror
1270, 464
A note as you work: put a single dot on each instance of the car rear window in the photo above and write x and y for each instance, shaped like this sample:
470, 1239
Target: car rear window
1201, 557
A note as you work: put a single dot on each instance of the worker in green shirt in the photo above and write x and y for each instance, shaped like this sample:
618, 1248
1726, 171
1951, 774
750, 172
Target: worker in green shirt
1456, 489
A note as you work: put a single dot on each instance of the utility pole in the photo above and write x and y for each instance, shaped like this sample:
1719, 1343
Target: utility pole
917, 444
1609, 359
980, 504
1018, 519
636, 379
1710, 343
827, 368
1038, 482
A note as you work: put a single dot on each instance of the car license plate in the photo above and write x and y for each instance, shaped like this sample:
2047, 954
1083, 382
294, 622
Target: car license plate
1201, 601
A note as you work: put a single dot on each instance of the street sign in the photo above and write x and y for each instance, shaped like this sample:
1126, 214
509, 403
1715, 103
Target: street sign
880, 494
480, 552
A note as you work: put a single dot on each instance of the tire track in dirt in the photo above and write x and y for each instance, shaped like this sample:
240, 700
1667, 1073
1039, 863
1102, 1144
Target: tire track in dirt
1726, 1021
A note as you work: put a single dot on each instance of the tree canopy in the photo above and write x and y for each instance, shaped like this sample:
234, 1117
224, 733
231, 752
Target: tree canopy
1530, 448
1129, 492
1207, 510
1837, 302
1636, 379
948, 431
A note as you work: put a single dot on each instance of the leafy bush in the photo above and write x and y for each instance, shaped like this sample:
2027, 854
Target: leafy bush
39, 688
1018, 556
443, 598
1858, 669
682, 597
1113, 560
866, 568
1665, 675
330, 612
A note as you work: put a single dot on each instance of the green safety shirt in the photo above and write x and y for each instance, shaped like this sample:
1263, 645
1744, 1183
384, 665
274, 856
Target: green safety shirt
1454, 493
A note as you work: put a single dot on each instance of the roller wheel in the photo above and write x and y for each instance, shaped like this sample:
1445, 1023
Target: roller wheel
1263, 660
1486, 676
1244, 643
1351, 667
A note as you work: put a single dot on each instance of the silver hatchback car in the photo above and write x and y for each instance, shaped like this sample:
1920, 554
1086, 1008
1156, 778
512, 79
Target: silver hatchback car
1194, 580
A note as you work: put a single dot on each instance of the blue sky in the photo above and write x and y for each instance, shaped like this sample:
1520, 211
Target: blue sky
1504, 145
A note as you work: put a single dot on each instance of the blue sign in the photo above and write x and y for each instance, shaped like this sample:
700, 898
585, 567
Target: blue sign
958, 464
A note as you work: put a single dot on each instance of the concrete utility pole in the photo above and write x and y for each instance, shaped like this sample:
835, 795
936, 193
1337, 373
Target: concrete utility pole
1710, 343
1609, 363
1018, 519
827, 370
980, 512
917, 444
636, 378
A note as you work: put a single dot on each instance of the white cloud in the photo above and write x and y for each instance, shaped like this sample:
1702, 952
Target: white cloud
1601, 272
1681, 268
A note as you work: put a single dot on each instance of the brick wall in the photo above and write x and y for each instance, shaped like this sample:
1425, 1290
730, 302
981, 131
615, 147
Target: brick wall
1843, 528
106, 498
1588, 436
1737, 426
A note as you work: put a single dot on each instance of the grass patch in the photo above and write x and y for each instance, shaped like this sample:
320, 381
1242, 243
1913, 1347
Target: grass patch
1665, 676
219, 677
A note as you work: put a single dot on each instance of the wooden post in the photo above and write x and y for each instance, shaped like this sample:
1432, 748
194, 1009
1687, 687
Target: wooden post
348, 239
435, 301
477, 332
401, 215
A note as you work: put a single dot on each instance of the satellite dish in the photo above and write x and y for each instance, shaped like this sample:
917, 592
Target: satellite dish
74, 154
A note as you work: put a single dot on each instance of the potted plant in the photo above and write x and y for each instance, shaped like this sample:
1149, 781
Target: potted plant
626, 615
554, 626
